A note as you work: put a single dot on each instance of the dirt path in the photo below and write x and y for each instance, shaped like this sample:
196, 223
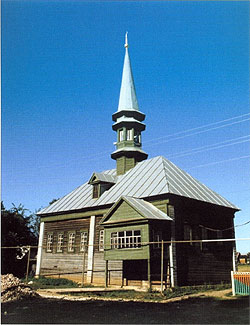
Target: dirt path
64, 294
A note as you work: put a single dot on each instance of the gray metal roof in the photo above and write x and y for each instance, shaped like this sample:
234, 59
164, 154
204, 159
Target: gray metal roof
148, 178
104, 177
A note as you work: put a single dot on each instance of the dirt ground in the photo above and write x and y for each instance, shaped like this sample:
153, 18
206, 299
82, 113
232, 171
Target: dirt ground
207, 308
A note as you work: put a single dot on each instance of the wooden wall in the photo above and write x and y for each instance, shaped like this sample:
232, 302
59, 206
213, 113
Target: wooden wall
207, 262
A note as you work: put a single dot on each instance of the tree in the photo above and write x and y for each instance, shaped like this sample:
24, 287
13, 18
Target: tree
17, 229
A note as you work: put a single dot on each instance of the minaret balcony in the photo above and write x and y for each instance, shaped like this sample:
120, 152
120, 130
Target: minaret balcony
129, 125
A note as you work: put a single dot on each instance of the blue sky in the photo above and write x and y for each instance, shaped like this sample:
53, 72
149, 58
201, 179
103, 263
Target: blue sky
61, 74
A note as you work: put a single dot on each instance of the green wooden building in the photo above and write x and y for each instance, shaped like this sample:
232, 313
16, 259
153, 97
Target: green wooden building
111, 228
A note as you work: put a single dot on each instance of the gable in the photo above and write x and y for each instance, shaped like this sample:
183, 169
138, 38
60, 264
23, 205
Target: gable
123, 211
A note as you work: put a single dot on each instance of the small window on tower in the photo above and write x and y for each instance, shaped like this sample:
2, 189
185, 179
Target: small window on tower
120, 135
129, 134
137, 137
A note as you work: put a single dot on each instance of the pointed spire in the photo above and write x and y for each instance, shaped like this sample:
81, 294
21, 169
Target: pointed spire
126, 40
127, 100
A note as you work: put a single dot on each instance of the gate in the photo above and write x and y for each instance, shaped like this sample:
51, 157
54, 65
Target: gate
240, 283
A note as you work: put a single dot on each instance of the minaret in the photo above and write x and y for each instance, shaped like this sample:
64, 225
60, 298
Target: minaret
128, 122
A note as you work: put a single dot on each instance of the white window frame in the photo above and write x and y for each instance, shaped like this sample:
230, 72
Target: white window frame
71, 241
49, 242
59, 247
120, 135
83, 240
121, 239
129, 134
101, 240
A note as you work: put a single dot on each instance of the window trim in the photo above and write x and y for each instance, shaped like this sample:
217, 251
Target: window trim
61, 243
129, 134
120, 135
101, 240
49, 244
83, 231
96, 191
71, 248
125, 241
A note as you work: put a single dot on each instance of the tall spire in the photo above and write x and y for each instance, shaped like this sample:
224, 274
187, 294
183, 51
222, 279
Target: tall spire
128, 122
128, 100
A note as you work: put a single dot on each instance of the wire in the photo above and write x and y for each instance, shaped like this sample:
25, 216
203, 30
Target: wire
217, 230
195, 133
103, 153
219, 162
199, 127
209, 147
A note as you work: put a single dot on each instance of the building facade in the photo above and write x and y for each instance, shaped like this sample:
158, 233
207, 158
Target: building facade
139, 222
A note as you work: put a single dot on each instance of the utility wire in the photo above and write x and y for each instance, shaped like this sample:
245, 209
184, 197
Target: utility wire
217, 230
195, 133
216, 145
219, 162
103, 153
199, 127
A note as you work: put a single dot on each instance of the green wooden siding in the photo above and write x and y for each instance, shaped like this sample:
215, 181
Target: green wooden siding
127, 253
124, 212
123, 164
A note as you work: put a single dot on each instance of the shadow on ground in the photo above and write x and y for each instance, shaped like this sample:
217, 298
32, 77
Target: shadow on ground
191, 311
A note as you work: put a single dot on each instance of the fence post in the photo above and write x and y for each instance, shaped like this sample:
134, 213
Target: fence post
106, 273
162, 255
233, 284
83, 264
28, 264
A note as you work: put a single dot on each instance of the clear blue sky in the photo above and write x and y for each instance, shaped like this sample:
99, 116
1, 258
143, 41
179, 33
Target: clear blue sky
61, 74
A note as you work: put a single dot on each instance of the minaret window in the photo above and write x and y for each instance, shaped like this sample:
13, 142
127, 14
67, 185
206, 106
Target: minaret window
129, 134
120, 135
137, 137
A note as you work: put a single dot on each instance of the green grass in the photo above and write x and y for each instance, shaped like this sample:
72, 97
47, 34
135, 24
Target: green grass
244, 268
50, 283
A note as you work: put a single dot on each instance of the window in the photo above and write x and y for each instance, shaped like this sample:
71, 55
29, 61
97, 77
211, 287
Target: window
101, 240
49, 242
157, 239
125, 239
71, 242
59, 247
137, 137
129, 134
188, 233
120, 135
95, 191
83, 241
203, 237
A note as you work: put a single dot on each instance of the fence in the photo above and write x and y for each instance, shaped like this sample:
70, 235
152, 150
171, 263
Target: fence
240, 283
165, 270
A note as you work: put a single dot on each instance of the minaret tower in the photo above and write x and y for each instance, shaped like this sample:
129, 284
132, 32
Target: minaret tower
128, 122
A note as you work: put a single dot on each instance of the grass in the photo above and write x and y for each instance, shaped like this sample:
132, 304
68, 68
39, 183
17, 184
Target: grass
244, 268
50, 283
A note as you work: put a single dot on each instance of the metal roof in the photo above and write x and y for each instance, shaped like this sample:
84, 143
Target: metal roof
148, 178
144, 208
103, 177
